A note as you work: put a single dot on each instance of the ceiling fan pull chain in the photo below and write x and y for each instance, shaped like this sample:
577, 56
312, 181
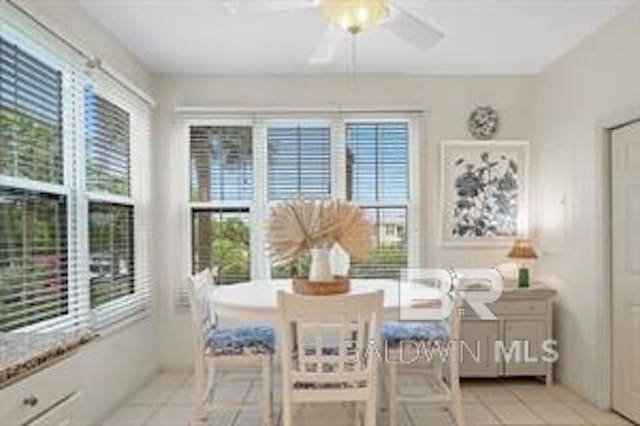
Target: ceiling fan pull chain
354, 62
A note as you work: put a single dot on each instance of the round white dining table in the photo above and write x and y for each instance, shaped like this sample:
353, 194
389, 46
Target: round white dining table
258, 300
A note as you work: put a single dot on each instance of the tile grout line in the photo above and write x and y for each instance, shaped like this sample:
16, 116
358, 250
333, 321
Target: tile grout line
158, 406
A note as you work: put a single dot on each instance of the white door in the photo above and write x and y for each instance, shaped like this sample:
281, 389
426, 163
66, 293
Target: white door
626, 270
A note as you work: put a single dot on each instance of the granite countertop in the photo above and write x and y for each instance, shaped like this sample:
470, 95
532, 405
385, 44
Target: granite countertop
22, 354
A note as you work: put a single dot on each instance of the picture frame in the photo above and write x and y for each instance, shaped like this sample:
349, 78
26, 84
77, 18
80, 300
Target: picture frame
484, 192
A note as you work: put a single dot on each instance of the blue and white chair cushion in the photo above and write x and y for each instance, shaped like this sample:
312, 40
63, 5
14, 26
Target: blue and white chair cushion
245, 340
396, 332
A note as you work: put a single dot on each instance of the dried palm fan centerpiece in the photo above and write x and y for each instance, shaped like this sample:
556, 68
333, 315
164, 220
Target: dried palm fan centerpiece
295, 228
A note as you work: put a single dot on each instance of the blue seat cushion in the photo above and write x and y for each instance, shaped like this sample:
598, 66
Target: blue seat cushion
245, 340
395, 332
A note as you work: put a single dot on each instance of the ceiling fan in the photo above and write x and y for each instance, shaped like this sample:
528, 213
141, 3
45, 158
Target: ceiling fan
349, 17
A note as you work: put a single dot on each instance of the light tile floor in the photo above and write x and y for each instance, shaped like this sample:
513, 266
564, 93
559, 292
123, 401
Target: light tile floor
166, 401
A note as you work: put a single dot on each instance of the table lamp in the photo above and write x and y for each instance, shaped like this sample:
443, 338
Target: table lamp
524, 253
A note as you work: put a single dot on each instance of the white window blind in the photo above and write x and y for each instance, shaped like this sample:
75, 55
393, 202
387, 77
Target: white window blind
111, 241
221, 185
64, 160
117, 139
377, 167
31, 116
33, 258
107, 139
221, 163
377, 161
35, 261
299, 161
362, 157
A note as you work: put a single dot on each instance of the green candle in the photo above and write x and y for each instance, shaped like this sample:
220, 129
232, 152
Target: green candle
523, 277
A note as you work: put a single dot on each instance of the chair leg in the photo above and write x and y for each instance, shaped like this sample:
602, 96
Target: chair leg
287, 409
199, 392
456, 403
384, 388
370, 413
267, 390
393, 394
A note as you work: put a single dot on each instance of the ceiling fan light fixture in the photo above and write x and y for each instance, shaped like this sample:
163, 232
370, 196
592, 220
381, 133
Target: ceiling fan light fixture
354, 16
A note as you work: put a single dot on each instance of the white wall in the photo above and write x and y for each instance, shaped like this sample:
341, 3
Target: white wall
69, 19
595, 85
447, 101
113, 367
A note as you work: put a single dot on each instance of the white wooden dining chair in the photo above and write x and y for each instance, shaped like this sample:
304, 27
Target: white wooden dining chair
440, 379
324, 345
217, 347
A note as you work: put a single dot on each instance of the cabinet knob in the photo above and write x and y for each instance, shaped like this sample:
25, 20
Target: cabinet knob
30, 401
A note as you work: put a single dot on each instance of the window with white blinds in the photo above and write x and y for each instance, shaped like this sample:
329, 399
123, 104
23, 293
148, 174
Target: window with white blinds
117, 155
377, 167
111, 252
33, 258
299, 161
65, 262
34, 279
221, 163
389, 255
221, 185
378, 161
107, 140
30, 116
222, 243
237, 171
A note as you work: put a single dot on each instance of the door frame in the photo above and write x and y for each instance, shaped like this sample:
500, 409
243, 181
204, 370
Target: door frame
604, 356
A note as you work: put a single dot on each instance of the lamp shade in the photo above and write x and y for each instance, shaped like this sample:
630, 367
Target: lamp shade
523, 249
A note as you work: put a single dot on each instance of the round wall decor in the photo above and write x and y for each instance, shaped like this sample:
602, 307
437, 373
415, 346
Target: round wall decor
483, 122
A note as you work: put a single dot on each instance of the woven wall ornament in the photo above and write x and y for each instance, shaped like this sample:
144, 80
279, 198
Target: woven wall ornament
483, 122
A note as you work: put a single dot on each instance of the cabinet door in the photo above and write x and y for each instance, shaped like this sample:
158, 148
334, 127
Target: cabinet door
525, 339
477, 339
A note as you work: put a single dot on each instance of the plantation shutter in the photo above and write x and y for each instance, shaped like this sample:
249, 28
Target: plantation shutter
378, 180
117, 153
299, 161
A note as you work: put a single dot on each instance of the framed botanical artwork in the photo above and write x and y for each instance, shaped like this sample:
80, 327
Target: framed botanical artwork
484, 192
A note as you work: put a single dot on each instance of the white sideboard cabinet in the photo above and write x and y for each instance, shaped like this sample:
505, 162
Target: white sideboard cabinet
514, 343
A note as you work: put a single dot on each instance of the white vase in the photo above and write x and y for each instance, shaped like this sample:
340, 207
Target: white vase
320, 269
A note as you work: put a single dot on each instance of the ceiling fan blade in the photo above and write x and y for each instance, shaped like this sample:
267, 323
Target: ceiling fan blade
412, 29
328, 46
266, 6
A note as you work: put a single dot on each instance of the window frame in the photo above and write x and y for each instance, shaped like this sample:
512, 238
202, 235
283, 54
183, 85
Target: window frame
260, 204
38, 42
128, 305
43, 51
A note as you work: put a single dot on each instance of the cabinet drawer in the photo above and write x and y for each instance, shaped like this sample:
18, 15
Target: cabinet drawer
34, 395
512, 308
63, 414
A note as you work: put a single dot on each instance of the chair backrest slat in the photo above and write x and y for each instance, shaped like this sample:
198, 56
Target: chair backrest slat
326, 339
202, 317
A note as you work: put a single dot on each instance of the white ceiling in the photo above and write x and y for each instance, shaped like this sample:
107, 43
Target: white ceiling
481, 36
